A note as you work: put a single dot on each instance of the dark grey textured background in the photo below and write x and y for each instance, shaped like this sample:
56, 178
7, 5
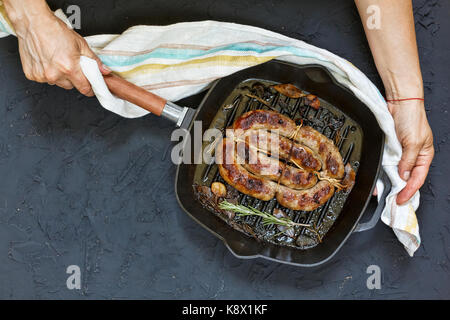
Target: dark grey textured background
80, 185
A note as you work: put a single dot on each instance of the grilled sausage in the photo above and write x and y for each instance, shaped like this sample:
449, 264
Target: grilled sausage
282, 147
239, 178
349, 178
271, 168
307, 200
332, 162
264, 189
264, 119
329, 154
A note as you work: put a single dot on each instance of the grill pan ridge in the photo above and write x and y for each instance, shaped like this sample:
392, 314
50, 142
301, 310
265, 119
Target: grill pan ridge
359, 139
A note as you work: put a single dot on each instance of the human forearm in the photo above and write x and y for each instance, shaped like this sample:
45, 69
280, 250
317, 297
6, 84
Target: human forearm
25, 13
394, 47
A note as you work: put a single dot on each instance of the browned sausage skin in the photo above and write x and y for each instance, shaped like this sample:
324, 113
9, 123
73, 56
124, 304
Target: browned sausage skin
271, 168
329, 154
283, 148
242, 180
307, 200
239, 178
331, 157
264, 119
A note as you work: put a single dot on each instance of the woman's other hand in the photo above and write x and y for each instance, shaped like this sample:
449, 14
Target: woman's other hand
416, 138
49, 50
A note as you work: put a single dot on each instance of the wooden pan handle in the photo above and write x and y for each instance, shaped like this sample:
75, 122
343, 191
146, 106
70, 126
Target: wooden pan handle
134, 94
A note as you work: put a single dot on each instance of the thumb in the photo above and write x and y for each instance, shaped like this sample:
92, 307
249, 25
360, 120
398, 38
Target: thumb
86, 51
408, 161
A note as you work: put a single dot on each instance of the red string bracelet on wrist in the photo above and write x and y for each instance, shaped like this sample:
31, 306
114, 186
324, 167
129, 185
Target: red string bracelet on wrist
406, 99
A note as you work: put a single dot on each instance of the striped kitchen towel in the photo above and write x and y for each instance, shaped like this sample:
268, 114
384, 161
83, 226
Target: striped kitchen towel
179, 60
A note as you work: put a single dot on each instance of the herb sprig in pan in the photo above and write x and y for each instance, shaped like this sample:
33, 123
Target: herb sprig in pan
267, 219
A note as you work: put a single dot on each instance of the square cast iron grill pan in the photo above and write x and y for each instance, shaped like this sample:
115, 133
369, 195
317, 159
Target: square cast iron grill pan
317, 80
327, 120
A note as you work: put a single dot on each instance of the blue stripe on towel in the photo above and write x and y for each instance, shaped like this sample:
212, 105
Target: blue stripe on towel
185, 54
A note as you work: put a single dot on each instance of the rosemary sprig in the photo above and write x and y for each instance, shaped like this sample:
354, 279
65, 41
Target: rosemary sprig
267, 219
264, 102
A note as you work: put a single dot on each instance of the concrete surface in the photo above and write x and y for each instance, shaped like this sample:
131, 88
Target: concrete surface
82, 186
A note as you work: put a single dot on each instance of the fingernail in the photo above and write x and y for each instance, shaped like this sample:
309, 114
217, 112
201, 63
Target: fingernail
406, 175
105, 68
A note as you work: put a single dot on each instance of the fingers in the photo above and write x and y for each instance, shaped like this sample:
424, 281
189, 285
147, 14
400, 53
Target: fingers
82, 84
77, 77
104, 69
408, 161
65, 84
36, 72
86, 51
79, 80
25, 59
375, 192
416, 137
67, 80
418, 174
55, 60
416, 181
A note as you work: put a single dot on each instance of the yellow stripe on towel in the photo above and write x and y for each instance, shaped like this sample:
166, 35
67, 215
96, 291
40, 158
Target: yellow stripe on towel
5, 16
226, 60
411, 221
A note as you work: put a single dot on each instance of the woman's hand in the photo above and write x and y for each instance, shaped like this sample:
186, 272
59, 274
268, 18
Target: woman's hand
416, 138
49, 50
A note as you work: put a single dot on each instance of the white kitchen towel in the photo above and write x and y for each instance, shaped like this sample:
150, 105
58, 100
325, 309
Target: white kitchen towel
179, 60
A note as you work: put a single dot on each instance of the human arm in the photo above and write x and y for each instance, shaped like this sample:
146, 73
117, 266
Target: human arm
394, 50
49, 50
